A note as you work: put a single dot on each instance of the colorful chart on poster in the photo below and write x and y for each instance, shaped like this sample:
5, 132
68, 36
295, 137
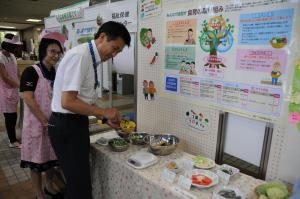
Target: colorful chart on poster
233, 56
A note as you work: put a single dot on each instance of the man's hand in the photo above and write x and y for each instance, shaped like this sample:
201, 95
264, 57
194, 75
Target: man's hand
113, 124
111, 114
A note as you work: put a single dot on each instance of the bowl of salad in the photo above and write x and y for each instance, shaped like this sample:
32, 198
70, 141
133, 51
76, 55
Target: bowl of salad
118, 144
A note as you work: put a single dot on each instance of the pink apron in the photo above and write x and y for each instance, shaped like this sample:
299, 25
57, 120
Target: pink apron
36, 146
9, 96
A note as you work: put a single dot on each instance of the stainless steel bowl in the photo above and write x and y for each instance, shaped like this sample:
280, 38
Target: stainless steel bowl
163, 144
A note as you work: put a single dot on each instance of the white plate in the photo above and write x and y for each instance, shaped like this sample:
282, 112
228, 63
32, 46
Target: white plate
209, 163
211, 175
235, 189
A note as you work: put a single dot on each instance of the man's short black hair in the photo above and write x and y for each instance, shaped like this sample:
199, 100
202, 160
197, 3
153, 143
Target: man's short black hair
44, 45
113, 30
190, 30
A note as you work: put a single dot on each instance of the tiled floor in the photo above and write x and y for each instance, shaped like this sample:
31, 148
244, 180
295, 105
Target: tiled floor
14, 181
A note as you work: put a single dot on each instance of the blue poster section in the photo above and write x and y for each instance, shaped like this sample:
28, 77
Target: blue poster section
259, 28
171, 84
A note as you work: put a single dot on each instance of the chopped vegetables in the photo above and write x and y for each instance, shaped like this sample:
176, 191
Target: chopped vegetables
203, 162
201, 179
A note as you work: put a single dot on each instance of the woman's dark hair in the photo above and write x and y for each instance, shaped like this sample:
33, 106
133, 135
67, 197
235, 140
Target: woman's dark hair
8, 46
113, 30
44, 45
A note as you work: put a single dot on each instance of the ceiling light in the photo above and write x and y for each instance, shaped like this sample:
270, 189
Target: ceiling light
33, 20
8, 27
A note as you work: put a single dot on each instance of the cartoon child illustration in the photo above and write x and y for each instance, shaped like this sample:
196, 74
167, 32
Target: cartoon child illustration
275, 74
146, 37
150, 36
192, 68
190, 40
187, 68
145, 89
182, 67
151, 90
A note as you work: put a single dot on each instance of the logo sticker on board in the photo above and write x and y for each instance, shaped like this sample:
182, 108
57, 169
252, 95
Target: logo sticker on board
196, 120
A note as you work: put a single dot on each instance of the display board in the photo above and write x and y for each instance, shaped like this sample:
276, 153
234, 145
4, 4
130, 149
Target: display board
231, 56
82, 29
242, 85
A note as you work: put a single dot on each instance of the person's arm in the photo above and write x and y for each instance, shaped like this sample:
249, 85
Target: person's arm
6, 78
34, 107
71, 102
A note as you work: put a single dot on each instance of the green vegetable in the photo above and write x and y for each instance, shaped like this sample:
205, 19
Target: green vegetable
276, 193
263, 197
273, 190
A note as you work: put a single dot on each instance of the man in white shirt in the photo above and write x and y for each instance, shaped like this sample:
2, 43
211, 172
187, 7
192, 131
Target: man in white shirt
74, 95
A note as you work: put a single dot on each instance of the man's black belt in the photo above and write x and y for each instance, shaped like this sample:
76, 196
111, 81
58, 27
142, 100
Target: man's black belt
68, 115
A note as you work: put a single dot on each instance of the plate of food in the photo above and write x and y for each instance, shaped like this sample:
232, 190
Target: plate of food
228, 192
118, 144
203, 178
272, 190
202, 162
127, 126
228, 169
139, 138
174, 166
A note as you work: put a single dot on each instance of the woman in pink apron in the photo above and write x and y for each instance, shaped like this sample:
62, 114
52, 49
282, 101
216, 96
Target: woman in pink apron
9, 84
36, 85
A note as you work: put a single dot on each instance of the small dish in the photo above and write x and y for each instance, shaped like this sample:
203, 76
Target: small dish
228, 192
228, 169
174, 166
102, 141
202, 162
203, 178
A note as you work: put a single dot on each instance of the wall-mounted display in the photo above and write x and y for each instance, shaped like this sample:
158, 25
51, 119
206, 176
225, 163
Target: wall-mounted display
231, 56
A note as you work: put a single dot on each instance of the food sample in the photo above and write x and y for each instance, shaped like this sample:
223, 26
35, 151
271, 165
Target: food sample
230, 194
227, 170
272, 190
127, 126
201, 179
117, 142
203, 162
172, 165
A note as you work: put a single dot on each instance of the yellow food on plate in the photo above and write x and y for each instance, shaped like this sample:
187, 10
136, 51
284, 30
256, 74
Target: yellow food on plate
127, 126
172, 165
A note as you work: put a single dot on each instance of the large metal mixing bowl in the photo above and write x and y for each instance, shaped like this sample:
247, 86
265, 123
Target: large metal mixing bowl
163, 144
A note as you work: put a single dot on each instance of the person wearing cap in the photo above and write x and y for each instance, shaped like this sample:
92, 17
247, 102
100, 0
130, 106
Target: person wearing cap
36, 85
74, 98
9, 84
